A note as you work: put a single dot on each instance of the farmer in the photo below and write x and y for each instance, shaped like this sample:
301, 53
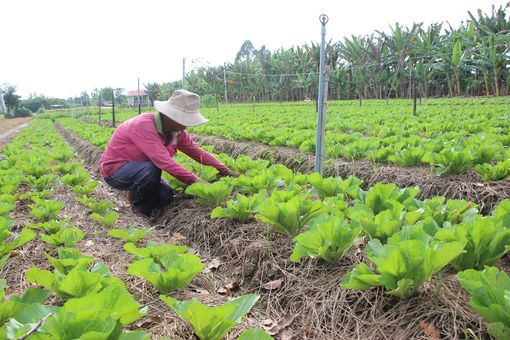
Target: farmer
143, 146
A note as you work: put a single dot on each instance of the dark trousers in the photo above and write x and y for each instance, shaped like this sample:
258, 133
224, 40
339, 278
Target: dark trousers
144, 181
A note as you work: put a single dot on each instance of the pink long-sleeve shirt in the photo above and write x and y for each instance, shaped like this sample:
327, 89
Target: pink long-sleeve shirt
137, 140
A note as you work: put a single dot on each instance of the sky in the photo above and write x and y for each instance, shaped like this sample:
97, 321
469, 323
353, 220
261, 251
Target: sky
60, 48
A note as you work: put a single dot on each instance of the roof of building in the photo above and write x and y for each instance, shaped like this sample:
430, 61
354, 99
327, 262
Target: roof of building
135, 93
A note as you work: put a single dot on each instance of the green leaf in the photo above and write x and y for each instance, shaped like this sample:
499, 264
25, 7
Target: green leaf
490, 297
410, 258
289, 217
132, 235
180, 270
69, 258
107, 220
242, 208
328, 238
486, 241
155, 252
211, 194
24, 236
212, 323
68, 237
254, 334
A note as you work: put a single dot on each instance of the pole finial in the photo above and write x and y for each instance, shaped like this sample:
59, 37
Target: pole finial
323, 18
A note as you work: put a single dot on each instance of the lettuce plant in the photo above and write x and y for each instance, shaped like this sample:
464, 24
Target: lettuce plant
242, 208
411, 156
176, 271
451, 161
378, 196
252, 185
289, 217
50, 227
497, 172
403, 264
41, 183
87, 188
502, 212
99, 315
381, 225
46, 209
107, 220
9, 242
154, 251
67, 237
212, 323
19, 314
76, 283
490, 297
132, 235
486, 241
68, 259
328, 238
211, 194
78, 177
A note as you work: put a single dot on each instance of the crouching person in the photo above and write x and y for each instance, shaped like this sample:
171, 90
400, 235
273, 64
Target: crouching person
142, 147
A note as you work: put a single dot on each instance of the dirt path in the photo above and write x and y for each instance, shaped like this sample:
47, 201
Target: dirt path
9, 128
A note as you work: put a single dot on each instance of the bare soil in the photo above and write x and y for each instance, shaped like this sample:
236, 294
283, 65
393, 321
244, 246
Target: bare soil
308, 302
9, 128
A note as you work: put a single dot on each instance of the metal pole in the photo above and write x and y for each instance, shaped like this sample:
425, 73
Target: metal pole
100, 108
319, 145
138, 93
225, 81
183, 71
113, 109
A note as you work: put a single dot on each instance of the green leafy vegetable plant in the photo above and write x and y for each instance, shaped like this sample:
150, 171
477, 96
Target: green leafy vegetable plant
289, 217
87, 188
51, 227
497, 172
76, 283
107, 220
132, 234
46, 209
68, 259
485, 239
328, 238
177, 272
77, 177
67, 237
212, 323
403, 264
490, 297
210, 194
155, 251
242, 208
98, 315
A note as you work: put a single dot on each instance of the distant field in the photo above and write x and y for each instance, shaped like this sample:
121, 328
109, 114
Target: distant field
452, 135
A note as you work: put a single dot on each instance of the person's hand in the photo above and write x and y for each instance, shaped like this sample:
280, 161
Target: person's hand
230, 173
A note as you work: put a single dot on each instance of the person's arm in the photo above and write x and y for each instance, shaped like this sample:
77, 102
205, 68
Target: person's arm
147, 140
186, 145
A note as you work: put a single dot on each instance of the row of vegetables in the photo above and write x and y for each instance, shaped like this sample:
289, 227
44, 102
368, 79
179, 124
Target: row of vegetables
78, 296
448, 138
409, 240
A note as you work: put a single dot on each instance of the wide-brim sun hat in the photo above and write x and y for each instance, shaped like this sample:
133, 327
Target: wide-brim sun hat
182, 107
